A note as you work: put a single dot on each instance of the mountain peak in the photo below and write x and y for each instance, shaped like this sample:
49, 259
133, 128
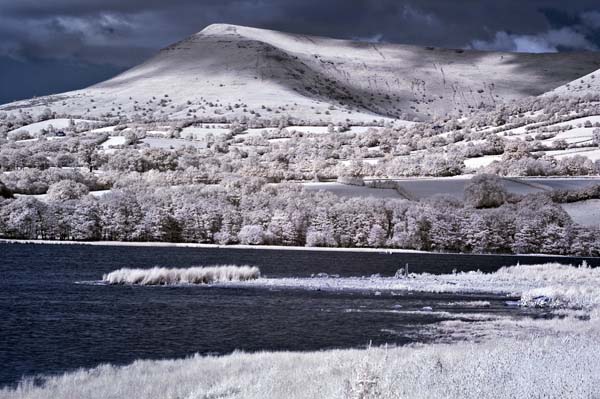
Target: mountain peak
215, 29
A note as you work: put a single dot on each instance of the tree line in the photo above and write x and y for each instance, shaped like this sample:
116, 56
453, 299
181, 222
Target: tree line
251, 211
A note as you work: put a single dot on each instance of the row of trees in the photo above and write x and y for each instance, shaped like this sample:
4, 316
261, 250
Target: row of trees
252, 212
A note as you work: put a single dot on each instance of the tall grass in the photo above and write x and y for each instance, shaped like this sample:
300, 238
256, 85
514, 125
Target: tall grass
192, 275
542, 367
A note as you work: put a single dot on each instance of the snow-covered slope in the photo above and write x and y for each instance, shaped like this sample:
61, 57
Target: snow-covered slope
229, 71
588, 84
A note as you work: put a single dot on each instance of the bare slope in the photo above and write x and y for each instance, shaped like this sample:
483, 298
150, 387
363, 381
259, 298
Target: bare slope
229, 71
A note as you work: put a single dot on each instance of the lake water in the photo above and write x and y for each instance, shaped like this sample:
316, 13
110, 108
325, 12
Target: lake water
51, 322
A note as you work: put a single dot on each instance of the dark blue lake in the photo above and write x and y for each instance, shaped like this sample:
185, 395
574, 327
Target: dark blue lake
50, 323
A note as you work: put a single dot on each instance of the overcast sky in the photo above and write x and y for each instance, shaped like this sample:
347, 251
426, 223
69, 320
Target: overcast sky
49, 46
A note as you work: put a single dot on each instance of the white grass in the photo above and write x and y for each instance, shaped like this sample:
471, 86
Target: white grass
539, 367
561, 285
192, 275
551, 284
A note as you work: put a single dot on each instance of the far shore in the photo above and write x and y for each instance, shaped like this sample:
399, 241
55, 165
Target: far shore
261, 247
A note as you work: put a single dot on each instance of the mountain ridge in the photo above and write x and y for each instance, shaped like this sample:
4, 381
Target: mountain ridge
229, 71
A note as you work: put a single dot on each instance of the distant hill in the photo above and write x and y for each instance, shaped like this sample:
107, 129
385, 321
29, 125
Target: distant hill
229, 71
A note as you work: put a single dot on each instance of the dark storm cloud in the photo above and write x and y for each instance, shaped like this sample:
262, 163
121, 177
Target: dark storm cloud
103, 35
96, 31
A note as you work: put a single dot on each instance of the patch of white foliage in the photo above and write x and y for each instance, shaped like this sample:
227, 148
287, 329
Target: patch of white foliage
192, 275
549, 284
538, 367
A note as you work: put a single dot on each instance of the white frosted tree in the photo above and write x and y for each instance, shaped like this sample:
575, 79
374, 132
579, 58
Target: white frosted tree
476, 234
199, 218
586, 241
282, 229
412, 227
121, 216
485, 191
231, 223
377, 236
555, 239
67, 190
321, 232
252, 235
23, 218
527, 238
85, 220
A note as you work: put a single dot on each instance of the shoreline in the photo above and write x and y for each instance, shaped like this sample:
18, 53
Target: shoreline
160, 244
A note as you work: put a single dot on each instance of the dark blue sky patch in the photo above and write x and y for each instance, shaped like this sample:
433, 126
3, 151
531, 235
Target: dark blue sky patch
20, 80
